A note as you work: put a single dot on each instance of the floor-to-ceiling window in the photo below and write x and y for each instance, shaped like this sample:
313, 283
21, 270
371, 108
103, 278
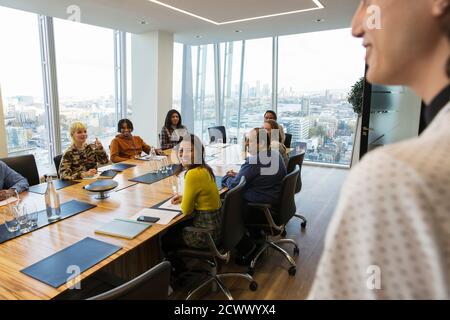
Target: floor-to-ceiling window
204, 90
85, 66
21, 85
315, 74
129, 77
257, 83
231, 58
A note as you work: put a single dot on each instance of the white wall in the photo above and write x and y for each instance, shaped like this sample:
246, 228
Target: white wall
3, 145
152, 74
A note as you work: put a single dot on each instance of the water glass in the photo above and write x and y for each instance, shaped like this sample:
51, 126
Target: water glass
33, 215
9, 217
164, 165
219, 141
21, 213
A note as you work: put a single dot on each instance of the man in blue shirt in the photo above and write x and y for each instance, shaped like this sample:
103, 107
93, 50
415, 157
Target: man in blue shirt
10, 181
264, 172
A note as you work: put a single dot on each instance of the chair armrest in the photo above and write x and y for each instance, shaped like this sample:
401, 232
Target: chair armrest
210, 241
266, 209
259, 205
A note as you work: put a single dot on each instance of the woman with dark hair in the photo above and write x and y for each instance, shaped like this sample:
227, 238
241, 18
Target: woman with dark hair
275, 139
173, 130
200, 199
271, 115
126, 146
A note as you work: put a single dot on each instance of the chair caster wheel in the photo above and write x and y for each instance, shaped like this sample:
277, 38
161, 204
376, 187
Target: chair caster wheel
283, 233
253, 286
303, 225
292, 271
296, 251
251, 271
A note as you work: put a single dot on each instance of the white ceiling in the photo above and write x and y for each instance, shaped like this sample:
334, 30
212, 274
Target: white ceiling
210, 20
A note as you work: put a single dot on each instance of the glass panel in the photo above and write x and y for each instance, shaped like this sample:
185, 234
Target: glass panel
231, 55
177, 75
204, 90
314, 82
129, 79
257, 83
85, 65
22, 87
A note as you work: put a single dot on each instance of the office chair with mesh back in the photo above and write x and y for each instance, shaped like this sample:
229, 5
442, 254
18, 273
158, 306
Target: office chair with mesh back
57, 162
151, 285
287, 140
297, 160
218, 132
277, 217
233, 229
25, 166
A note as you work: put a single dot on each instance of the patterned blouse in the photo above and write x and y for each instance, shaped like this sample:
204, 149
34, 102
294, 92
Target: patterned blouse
76, 161
169, 140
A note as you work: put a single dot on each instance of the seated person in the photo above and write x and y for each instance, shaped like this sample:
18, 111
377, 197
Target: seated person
10, 182
173, 130
264, 171
80, 160
275, 139
271, 115
200, 200
125, 146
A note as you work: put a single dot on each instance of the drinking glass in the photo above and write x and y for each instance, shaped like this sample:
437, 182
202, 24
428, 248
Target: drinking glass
9, 217
164, 165
219, 141
21, 213
33, 214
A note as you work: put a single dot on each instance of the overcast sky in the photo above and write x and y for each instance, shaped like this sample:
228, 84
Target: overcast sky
307, 62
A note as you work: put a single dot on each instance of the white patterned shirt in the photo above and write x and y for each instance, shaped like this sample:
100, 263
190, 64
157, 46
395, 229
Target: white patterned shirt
390, 235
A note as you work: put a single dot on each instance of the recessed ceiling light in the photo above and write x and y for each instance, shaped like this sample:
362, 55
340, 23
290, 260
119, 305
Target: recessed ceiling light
238, 31
143, 22
198, 37
320, 20
317, 3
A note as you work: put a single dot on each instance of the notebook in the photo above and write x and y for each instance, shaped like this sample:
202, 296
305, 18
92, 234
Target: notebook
123, 228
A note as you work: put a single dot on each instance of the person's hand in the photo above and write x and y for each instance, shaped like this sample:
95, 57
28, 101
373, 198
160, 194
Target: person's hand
159, 152
176, 199
89, 173
5, 194
98, 144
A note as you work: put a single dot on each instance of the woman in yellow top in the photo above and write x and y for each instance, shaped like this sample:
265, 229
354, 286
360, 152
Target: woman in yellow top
200, 196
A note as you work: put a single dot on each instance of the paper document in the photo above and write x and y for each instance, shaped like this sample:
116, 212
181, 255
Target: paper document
169, 206
164, 216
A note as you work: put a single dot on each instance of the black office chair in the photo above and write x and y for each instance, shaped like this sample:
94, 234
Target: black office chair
232, 231
297, 160
151, 285
217, 133
287, 140
277, 217
25, 166
57, 162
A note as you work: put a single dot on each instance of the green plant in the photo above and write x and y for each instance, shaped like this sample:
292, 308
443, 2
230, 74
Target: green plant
356, 96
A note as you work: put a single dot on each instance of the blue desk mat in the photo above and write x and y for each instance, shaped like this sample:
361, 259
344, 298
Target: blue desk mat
60, 267
59, 184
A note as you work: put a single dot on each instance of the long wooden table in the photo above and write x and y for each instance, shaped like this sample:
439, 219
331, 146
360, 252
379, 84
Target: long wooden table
129, 198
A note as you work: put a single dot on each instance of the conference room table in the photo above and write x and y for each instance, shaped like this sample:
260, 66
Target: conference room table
135, 257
